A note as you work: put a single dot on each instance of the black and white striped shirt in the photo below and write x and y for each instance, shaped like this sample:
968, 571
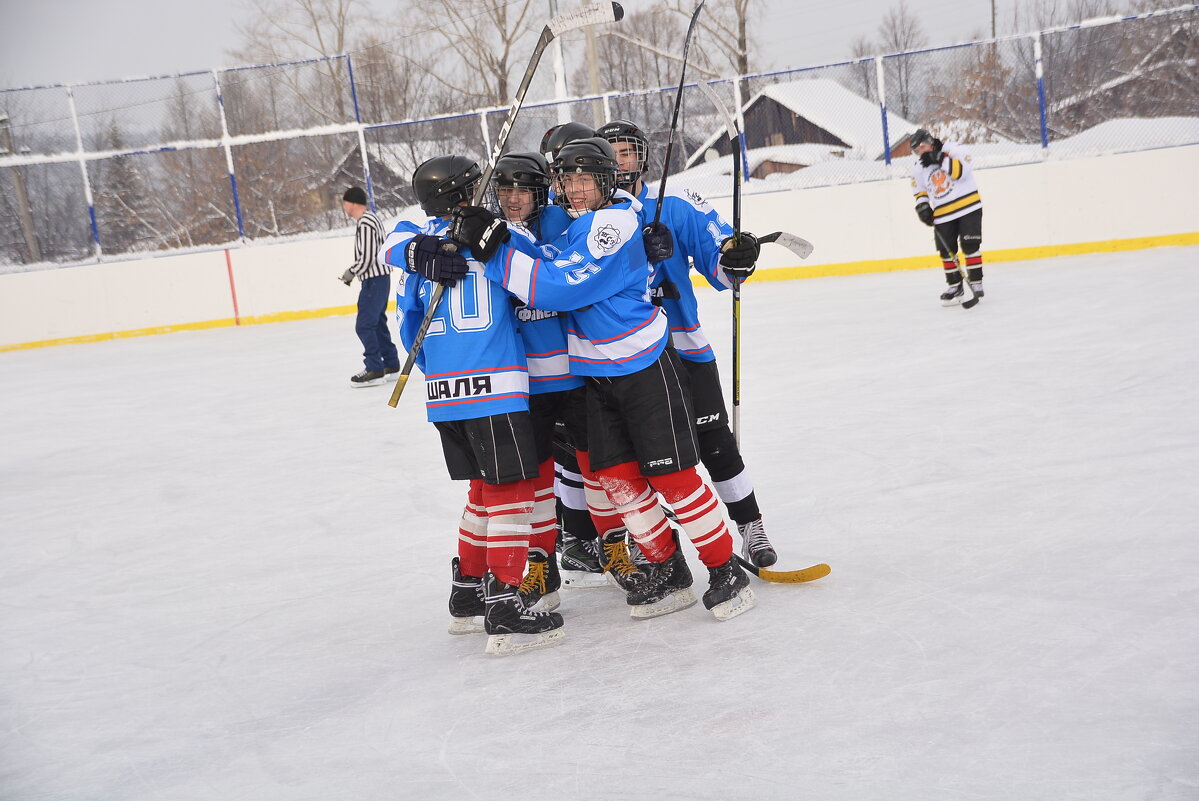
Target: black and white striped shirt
368, 238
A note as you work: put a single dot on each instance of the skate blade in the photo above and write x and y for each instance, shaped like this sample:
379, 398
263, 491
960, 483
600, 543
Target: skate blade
580, 580
548, 602
507, 644
373, 383
739, 604
954, 302
466, 625
676, 601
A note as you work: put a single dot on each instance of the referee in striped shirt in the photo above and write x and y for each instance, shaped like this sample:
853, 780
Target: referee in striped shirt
379, 354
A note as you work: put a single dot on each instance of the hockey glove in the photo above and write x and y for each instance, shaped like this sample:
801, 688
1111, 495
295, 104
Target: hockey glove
659, 242
739, 255
925, 213
435, 259
347, 277
479, 230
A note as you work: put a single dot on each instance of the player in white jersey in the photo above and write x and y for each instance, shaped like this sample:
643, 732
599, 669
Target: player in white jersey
641, 435
477, 395
698, 233
947, 199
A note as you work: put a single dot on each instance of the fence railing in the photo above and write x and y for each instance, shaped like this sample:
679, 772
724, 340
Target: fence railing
224, 157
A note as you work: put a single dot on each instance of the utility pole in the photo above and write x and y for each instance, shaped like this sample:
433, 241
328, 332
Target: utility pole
18, 180
597, 106
992, 19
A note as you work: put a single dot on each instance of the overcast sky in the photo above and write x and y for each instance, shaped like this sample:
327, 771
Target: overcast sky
74, 41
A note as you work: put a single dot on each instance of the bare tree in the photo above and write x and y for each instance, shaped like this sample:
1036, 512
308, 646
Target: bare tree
899, 32
483, 41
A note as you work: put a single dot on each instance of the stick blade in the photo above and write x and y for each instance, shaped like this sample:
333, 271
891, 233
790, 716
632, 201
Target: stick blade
796, 244
794, 576
594, 14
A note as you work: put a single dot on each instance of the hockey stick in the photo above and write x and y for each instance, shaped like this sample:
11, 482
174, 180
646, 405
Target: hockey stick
593, 14
973, 299
674, 121
785, 576
797, 245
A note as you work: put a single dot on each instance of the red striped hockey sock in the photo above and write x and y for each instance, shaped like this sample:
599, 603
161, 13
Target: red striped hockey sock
544, 525
472, 533
509, 510
637, 503
699, 513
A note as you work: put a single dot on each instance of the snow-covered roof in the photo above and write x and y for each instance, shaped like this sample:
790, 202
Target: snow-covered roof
827, 104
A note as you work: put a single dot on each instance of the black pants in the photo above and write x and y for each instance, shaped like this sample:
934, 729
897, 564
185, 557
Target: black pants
964, 232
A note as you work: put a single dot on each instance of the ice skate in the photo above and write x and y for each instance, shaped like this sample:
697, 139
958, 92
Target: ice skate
466, 602
391, 373
667, 590
729, 593
977, 288
616, 561
580, 561
367, 378
510, 627
755, 547
953, 295
539, 589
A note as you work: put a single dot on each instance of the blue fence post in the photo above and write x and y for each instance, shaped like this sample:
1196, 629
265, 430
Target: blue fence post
366, 164
87, 184
879, 74
1036, 51
220, 102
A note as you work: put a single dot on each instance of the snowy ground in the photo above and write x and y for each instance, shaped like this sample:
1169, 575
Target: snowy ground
223, 572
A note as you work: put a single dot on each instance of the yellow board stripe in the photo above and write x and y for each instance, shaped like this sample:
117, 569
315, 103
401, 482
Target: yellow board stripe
773, 274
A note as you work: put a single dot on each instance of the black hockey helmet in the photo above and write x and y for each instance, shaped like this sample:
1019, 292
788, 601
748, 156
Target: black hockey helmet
442, 182
559, 135
921, 136
590, 156
623, 131
524, 171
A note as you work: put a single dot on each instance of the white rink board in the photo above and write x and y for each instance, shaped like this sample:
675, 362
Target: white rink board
1125, 196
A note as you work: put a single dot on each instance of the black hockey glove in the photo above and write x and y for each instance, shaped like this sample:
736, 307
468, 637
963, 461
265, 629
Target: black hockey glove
933, 156
739, 256
479, 230
924, 212
659, 242
347, 277
435, 259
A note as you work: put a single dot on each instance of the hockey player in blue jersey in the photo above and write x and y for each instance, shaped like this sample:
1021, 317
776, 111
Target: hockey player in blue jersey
477, 395
703, 241
521, 184
641, 432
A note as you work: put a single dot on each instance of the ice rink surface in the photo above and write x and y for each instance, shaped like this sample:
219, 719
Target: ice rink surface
223, 572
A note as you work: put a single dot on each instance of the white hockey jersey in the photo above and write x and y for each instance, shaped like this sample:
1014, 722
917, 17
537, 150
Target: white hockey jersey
949, 186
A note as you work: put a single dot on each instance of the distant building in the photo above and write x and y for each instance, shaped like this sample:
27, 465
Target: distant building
830, 121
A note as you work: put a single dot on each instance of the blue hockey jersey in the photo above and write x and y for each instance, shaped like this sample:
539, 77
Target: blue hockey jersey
473, 357
544, 335
698, 231
596, 270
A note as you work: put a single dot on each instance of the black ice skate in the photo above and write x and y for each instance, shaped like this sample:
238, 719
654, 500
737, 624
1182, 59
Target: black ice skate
616, 560
367, 378
510, 627
729, 593
977, 287
466, 602
668, 589
754, 545
539, 589
580, 561
953, 295
391, 373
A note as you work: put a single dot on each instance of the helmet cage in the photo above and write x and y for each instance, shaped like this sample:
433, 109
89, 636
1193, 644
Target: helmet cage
918, 138
624, 132
521, 171
592, 156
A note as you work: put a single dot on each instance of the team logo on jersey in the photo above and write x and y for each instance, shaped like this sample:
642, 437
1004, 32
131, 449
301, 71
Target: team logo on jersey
696, 199
606, 238
526, 315
940, 182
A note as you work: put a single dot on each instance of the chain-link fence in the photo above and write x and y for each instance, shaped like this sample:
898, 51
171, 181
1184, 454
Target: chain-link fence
220, 158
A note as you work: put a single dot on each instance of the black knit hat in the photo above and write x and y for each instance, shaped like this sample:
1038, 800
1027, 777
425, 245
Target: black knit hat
355, 195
